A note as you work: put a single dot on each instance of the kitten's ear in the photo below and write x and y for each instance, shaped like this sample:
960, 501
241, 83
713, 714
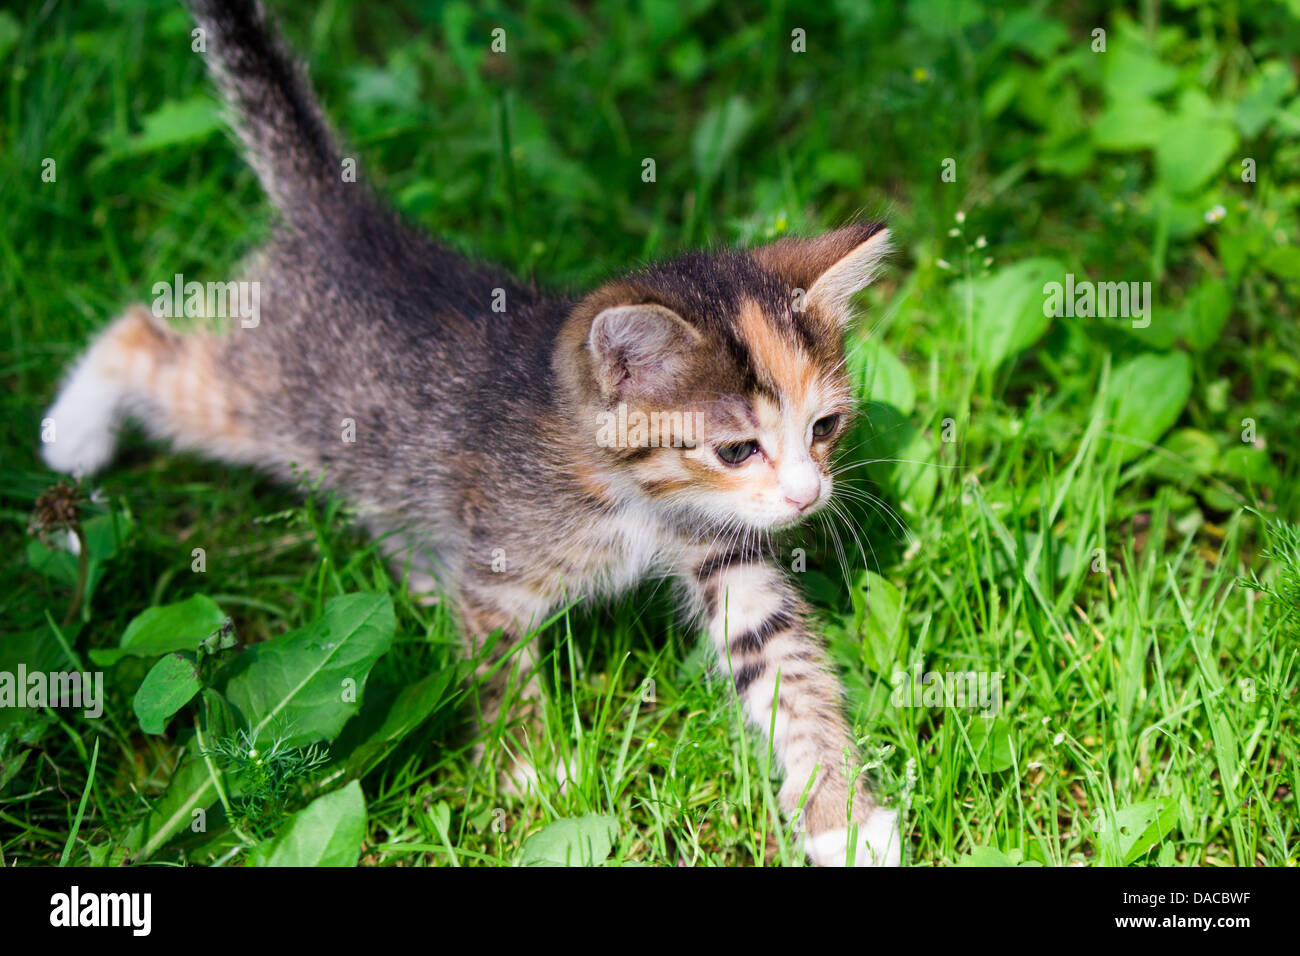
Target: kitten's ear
640, 349
831, 267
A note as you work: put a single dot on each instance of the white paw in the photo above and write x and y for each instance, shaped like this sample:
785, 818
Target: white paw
79, 430
879, 843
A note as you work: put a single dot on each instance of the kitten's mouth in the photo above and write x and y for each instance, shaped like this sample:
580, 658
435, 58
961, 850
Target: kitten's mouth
794, 518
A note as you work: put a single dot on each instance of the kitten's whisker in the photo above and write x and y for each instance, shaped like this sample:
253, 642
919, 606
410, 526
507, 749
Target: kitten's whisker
878, 504
886, 461
852, 529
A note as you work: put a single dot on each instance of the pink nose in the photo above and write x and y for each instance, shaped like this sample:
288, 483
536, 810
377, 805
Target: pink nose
805, 500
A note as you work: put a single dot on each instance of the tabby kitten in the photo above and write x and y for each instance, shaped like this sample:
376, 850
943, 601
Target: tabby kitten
482, 447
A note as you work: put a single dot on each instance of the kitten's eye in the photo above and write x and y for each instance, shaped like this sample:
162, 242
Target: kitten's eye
825, 426
737, 452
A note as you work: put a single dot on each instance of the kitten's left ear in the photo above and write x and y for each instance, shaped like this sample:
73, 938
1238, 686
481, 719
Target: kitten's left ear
640, 350
832, 267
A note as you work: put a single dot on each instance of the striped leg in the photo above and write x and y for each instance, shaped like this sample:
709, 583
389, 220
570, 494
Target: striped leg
758, 625
169, 382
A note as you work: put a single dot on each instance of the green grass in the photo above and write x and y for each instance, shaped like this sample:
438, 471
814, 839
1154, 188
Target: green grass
1069, 503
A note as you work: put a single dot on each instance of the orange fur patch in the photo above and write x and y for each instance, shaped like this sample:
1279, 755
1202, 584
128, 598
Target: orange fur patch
783, 361
176, 376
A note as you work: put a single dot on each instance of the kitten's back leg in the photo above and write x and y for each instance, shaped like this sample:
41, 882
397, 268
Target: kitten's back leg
169, 382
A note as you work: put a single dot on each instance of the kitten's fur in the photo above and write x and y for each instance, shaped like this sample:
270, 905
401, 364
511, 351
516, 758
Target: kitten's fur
476, 431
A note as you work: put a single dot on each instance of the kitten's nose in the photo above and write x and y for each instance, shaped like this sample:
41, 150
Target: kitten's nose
803, 498
801, 484
804, 502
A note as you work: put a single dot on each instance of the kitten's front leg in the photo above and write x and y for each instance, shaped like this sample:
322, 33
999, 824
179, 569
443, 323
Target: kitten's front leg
482, 613
758, 624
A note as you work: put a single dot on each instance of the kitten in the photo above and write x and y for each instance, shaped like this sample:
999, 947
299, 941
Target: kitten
506, 456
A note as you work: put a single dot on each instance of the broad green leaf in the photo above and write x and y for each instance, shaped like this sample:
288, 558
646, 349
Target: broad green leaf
1067, 155
327, 832
387, 718
1283, 261
305, 685
1008, 309
1271, 83
1189, 454
915, 473
395, 86
991, 740
1132, 70
1251, 464
576, 841
880, 620
896, 453
1147, 395
169, 686
992, 856
1137, 828
1203, 315
1031, 31
174, 122
1191, 151
842, 169
1287, 119
887, 379
1159, 826
181, 626
187, 803
1127, 125
1000, 93
719, 135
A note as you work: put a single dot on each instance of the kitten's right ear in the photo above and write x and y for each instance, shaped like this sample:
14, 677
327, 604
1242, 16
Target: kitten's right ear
832, 267
640, 349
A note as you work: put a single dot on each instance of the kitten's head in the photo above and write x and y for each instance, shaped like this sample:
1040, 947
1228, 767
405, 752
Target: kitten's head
715, 383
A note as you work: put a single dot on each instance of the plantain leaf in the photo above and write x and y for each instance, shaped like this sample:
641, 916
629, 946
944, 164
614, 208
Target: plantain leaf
1008, 309
181, 626
327, 832
305, 685
577, 841
169, 686
1147, 395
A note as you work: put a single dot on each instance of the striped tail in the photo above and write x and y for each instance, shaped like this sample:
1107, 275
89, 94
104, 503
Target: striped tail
274, 110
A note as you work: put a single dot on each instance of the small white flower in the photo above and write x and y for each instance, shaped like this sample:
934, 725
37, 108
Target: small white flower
942, 263
981, 242
954, 232
960, 217
1058, 740
1215, 213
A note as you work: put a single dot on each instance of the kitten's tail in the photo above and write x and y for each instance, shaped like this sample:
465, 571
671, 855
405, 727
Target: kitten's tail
275, 112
